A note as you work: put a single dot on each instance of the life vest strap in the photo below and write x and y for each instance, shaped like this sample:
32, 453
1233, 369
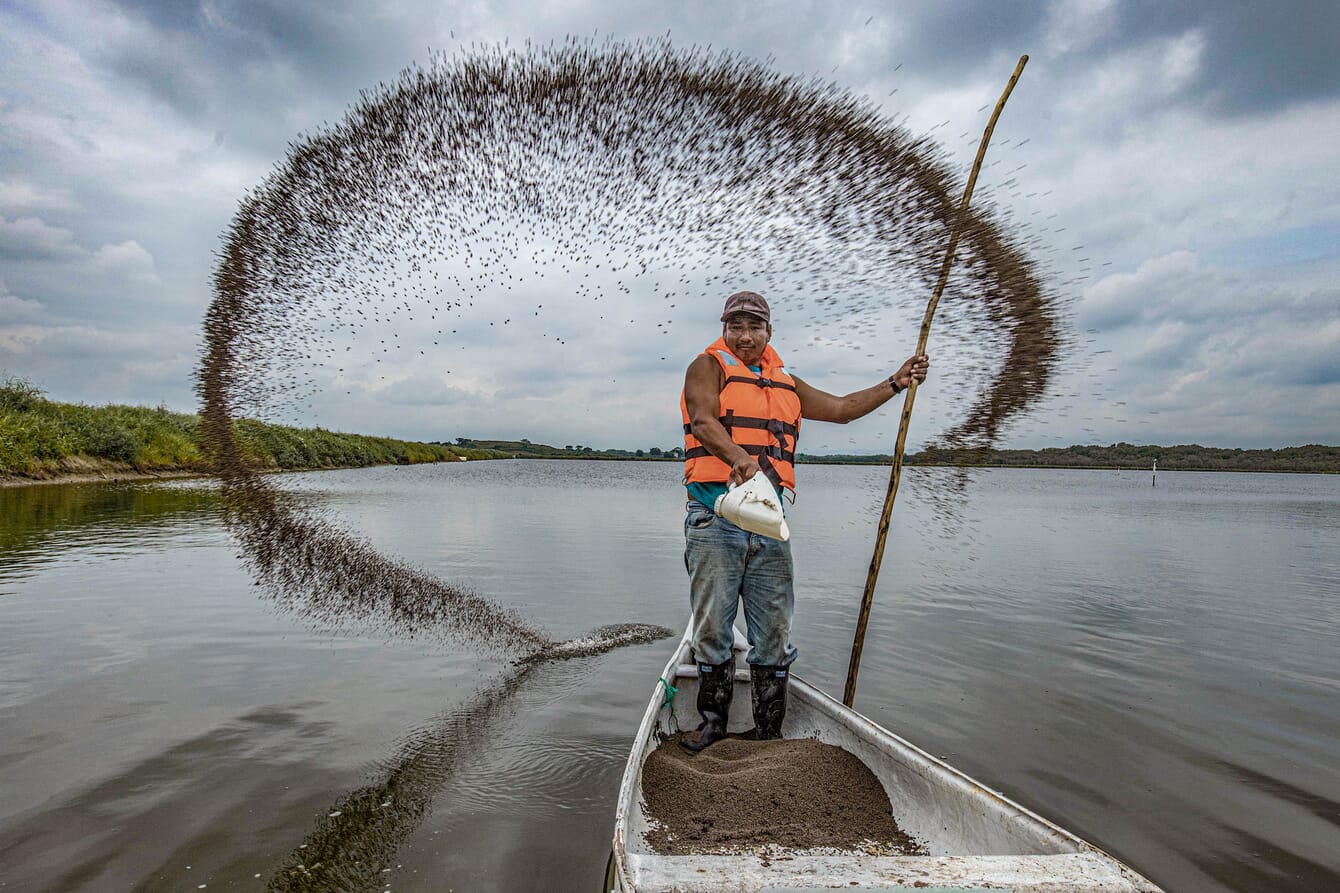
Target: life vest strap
765, 451
731, 420
770, 471
760, 382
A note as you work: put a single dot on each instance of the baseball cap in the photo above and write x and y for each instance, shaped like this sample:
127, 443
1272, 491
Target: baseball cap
747, 302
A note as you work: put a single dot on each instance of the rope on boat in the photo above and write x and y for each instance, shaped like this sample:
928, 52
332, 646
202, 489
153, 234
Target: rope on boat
670, 692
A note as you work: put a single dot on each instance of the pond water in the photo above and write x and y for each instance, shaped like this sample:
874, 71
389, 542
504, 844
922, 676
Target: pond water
1154, 668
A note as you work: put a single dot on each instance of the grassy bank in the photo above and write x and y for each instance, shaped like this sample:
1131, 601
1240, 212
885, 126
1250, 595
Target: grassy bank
43, 439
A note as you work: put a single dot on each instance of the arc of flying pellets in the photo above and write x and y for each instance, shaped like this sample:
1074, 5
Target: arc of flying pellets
344, 203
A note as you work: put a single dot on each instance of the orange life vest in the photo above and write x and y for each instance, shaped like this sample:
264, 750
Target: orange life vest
760, 411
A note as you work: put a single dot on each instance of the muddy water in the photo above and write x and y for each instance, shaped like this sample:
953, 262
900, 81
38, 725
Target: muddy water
1152, 667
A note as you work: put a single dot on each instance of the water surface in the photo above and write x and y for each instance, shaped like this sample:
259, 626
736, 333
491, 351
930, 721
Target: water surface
1154, 668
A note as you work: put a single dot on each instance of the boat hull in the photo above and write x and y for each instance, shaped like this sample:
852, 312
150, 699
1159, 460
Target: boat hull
977, 838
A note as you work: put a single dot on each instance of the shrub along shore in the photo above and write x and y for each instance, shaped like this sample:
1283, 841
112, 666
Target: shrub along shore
43, 440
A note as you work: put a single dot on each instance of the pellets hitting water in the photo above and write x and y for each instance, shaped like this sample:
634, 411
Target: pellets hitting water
600, 640
650, 155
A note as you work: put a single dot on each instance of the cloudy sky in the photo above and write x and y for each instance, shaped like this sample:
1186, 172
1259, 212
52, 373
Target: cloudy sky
1174, 162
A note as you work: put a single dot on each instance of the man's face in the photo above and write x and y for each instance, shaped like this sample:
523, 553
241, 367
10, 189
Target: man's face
746, 335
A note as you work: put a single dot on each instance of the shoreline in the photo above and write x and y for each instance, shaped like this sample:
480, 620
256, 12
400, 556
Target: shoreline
112, 475
8, 482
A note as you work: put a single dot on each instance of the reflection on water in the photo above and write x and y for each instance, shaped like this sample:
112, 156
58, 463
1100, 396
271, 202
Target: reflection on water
38, 521
1153, 668
356, 842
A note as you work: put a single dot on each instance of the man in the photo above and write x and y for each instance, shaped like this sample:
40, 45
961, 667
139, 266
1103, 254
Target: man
742, 411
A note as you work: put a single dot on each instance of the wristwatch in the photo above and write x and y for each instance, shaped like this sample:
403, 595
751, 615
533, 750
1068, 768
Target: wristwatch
893, 384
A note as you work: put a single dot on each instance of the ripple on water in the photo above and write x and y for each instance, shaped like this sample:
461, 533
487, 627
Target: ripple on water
544, 775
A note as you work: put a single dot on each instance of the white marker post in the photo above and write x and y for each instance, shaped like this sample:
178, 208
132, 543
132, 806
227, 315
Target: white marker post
1154, 481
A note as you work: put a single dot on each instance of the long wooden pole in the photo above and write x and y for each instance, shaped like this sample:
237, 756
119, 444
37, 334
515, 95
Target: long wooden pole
858, 643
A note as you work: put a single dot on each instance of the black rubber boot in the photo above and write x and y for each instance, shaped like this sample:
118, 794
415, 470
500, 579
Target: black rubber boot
769, 684
716, 686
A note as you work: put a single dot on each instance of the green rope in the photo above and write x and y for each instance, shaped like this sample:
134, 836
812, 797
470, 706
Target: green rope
670, 692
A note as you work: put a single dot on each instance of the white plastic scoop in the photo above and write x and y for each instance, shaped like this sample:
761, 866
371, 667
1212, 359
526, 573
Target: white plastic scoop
754, 506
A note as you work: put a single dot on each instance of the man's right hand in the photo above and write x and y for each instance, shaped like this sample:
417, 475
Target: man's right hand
744, 469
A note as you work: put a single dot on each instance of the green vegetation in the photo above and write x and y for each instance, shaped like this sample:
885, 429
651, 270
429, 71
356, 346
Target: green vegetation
1317, 459
1313, 458
40, 438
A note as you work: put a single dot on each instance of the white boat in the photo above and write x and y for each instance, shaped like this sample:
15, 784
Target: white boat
977, 839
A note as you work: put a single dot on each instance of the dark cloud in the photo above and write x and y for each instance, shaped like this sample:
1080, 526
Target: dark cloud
1323, 368
165, 69
959, 38
29, 238
1258, 57
168, 15
241, 69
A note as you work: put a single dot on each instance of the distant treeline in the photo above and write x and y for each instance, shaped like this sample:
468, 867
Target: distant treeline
1191, 457
1313, 458
524, 449
42, 438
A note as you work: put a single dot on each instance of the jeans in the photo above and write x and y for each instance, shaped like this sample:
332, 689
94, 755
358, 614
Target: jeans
727, 565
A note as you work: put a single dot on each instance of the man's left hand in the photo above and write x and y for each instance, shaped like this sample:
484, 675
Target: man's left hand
915, 367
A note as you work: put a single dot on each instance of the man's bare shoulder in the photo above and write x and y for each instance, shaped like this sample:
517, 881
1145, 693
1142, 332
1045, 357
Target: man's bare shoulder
702, 383
703, 365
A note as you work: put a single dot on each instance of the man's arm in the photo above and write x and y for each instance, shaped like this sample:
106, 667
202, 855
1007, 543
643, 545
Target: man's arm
702, 397
822, 406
